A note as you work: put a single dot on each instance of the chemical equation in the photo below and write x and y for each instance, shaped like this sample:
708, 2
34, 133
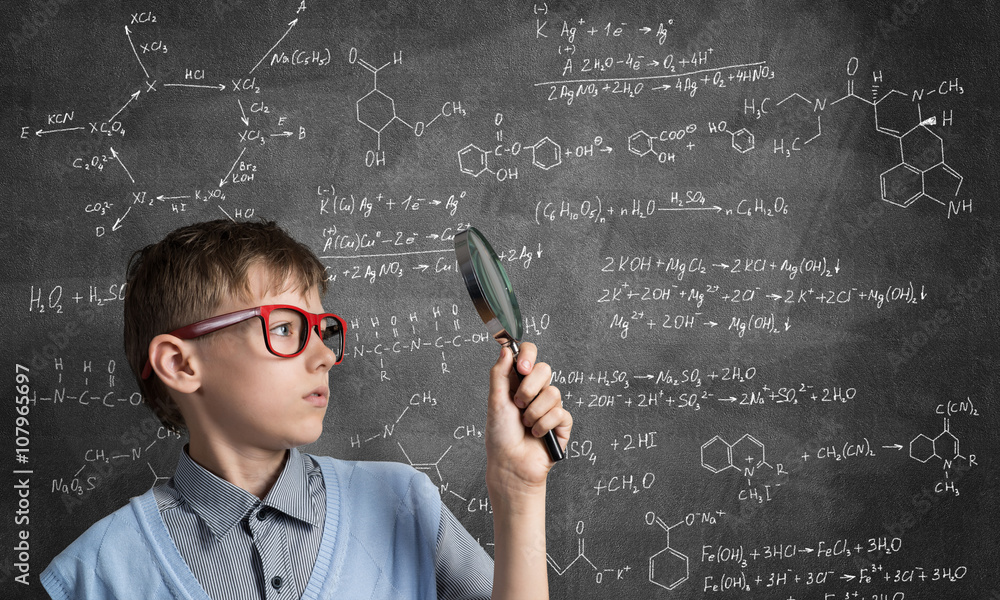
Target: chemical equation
338, 202
753, 321
673, 205
694, 388
96, 156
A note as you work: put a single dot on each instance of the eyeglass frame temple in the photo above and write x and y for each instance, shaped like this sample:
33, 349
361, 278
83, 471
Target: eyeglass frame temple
212, 324
204, 327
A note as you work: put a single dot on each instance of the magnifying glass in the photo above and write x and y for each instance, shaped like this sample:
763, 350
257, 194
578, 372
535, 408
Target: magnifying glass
494, 299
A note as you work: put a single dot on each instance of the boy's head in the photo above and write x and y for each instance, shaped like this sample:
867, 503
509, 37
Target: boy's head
193, 271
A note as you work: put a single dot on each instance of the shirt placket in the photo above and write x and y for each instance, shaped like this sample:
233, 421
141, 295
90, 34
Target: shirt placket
270, 540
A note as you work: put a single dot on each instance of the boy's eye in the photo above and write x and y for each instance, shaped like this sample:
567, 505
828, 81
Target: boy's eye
282, 329
287, 326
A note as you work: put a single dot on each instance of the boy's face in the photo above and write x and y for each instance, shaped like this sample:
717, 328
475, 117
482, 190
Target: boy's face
251, 399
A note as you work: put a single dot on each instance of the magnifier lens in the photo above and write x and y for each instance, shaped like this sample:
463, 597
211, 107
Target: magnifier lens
493, 295
496, 288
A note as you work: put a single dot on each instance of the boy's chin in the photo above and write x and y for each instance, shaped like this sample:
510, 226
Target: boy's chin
311, 435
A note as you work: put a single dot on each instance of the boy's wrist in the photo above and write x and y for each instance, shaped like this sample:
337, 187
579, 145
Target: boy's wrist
515, 499
520, 566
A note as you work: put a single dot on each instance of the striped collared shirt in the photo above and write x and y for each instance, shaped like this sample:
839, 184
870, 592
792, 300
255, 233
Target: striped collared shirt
239, 546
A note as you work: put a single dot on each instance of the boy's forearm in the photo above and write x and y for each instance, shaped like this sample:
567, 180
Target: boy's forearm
520, 568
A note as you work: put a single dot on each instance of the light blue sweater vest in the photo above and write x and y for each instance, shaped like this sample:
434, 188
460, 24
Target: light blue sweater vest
379, 541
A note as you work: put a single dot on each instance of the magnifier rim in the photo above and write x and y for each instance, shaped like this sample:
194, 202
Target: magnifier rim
475, 287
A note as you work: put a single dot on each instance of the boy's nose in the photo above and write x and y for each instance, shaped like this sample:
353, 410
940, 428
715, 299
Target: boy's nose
320, 352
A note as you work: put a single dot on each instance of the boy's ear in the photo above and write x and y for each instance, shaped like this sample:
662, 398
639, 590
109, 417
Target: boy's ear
175, 363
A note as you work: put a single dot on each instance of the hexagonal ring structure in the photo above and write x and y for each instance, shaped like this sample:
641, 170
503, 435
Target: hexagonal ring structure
640, 143
375, 107
921, 148
743, 141
546, 154
472, 160
749, 448
901, 185
668, 568
716, 455
922, 446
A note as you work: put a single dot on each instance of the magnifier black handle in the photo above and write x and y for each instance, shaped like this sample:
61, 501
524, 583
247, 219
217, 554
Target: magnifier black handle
551, 443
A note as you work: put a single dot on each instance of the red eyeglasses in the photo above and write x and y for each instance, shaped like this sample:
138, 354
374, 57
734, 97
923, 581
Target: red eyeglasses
286, 330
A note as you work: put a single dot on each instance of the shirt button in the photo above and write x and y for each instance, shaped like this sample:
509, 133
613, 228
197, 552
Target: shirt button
262, 514
276, 582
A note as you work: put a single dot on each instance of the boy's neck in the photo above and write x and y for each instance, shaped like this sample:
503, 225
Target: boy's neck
255, 472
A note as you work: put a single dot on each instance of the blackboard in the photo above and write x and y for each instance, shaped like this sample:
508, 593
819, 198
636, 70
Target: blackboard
755, 240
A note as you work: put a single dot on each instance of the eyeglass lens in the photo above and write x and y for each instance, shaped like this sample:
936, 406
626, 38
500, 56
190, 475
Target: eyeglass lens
288, 331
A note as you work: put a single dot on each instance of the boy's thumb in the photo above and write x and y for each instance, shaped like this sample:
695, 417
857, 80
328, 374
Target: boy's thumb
500, 373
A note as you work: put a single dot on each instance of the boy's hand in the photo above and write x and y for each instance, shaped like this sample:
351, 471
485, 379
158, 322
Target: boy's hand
522, 408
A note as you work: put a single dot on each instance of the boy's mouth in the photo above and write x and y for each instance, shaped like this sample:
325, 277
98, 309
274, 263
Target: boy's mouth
318, 396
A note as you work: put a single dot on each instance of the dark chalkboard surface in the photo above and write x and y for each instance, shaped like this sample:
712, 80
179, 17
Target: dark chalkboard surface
756, 242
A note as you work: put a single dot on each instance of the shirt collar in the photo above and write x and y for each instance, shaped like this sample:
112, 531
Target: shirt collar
221, 505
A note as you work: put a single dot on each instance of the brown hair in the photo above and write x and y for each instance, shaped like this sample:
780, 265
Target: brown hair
185, 278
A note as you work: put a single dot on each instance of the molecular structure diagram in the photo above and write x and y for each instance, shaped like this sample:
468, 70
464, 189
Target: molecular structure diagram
156, 478
581, 555
923, 448
747, 454
640, 143
376, 110
717, 454
545, 154
743, 140
921, 171
389, 430
426, 466
669, 567
794, 108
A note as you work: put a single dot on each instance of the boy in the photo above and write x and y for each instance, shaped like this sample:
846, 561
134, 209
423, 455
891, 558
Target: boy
226, 333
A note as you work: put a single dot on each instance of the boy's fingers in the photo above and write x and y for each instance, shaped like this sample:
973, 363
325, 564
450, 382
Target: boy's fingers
554, 418
532, 384
527, 353
545, 401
